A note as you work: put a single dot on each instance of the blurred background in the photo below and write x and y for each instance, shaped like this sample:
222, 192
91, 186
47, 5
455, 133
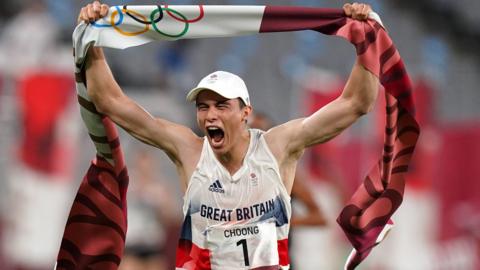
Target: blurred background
45, 150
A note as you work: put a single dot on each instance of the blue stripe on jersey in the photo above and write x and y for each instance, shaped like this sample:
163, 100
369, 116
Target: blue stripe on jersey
279, 212
187, 228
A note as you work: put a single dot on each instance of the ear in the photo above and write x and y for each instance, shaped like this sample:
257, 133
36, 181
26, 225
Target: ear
246, 112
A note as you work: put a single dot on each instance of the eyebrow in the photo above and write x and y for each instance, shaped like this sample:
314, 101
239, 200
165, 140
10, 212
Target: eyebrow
222, 102
198, 104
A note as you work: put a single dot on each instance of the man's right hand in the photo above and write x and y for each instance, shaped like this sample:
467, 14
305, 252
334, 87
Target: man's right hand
89, 14
92, 12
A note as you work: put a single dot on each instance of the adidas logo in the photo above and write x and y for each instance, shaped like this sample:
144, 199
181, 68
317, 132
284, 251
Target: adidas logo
216, 187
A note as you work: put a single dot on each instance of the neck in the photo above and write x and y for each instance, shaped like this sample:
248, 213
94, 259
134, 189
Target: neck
232, 160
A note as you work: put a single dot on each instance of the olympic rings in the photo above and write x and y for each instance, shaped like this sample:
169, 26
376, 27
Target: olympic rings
120, 20
160, 17
136, 16
147, 26
183, 19
184, 31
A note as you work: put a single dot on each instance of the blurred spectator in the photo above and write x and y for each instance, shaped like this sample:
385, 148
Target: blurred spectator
173, 64
152, 219
28, 40
306, 209
300, 190
39, 176
331, 166
38, 179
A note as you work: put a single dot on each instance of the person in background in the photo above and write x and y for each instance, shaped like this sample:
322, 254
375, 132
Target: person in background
151, 217
300, 190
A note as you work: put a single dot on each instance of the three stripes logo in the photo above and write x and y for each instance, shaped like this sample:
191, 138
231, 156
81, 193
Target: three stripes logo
216, 187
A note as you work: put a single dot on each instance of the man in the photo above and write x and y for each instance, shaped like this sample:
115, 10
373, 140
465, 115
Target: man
236, 181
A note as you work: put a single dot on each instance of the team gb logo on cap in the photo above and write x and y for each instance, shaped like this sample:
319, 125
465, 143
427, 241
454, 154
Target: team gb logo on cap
213, 78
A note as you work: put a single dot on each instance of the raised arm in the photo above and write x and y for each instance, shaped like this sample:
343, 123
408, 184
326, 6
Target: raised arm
357, 99
109, 99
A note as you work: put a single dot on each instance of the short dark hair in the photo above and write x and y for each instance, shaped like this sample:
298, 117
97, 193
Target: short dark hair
241, 103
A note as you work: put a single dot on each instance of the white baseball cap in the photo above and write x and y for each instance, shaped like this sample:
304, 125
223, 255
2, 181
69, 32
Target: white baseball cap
224, 83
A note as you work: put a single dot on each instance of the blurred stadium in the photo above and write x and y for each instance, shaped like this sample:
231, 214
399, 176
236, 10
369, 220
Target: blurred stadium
46, 150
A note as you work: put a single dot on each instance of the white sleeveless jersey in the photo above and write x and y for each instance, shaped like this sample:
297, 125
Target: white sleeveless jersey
236, 222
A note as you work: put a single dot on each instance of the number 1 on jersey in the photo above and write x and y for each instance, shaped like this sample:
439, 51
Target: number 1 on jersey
243, 242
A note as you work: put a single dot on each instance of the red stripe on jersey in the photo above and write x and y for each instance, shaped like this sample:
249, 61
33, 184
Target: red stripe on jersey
192, 257
283, 252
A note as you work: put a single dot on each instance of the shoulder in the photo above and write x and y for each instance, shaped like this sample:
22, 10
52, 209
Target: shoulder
189, 147
284, 134
281, 140
189, 154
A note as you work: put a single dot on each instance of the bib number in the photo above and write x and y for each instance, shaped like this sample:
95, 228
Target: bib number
243, 242
243, 247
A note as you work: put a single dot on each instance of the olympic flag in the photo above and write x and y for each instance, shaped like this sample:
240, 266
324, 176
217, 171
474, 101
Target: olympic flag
95, 231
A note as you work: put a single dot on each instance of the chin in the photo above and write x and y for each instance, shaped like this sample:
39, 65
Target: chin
218, 149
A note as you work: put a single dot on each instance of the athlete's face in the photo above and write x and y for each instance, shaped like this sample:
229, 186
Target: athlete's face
221, 119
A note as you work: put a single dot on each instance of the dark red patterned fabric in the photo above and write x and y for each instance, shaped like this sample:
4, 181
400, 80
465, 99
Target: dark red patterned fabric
369, 210
95, 232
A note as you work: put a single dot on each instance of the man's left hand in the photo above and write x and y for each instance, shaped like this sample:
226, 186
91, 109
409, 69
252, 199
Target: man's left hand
357, 11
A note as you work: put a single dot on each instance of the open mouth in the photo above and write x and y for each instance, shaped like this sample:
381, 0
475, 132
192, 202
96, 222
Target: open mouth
216, 134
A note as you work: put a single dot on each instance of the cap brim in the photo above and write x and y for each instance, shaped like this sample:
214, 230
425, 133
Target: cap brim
192, 95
